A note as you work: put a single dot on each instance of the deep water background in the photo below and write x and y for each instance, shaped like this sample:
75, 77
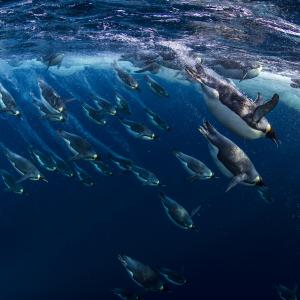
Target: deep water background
62, 240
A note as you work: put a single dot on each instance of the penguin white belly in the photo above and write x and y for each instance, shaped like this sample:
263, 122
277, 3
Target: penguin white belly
231, 120
2, 104
214, 153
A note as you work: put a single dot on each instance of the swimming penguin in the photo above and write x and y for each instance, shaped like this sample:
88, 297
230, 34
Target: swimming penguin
140, 58
12, 185
232, 161
101, 167
43, 159
143, 275
51, 98
156, 87
63, 167
125, 77
234, 110
53, 59
126, 294
122, 105
178, 214
144, 176
23, 166
153, 68
172, 276
8, 103
236, 69
195, 168
122, 163
156, 120
285, 293
138, 130
79, 146
105, 106
83, 176
49, 114
97, 116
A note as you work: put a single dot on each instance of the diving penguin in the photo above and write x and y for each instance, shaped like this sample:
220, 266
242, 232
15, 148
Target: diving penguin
231, 108
63, 167
233, 161
236, 69
285, 293
79, 146
172, 276
23, 166
194, 167
8, 103
51, 98
125, 77
105, 106
156, 120
178, 214
122, 105
101, 167
145, 176
83, 176
126, 294
143, 275
156, 87
12, 185
43, 159
53, 59
138, 130
97, 116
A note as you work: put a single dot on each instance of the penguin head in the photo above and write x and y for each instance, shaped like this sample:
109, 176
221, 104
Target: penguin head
18, 114
96, 157
41, 177
271, 134
259, 181
165, 288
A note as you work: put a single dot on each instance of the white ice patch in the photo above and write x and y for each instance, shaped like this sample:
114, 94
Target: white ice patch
267, 84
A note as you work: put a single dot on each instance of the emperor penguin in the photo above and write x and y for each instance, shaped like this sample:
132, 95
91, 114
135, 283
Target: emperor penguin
232, 161
233, 109
143, 275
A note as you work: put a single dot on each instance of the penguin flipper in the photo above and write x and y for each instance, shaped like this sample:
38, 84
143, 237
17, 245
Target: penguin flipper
265, 108
25, 177
236, 180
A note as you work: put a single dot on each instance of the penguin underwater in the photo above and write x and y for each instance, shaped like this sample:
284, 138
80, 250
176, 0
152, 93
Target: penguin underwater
79, 146
12, 185
194, 167
143, 275
178, 214
233, 161
232, 109
23, 166
8, 104
236, 69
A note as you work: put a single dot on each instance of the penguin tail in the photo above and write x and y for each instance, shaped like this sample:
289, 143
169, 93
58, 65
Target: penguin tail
207, 129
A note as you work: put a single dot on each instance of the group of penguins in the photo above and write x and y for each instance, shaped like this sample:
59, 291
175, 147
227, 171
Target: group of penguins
234, 110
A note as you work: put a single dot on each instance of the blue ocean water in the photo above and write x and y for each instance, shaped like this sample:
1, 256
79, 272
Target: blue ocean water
61, 239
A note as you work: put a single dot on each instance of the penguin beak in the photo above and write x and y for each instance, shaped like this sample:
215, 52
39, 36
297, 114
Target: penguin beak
271, 134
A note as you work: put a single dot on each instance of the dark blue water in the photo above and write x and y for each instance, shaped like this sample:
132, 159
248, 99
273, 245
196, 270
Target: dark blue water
62, 239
